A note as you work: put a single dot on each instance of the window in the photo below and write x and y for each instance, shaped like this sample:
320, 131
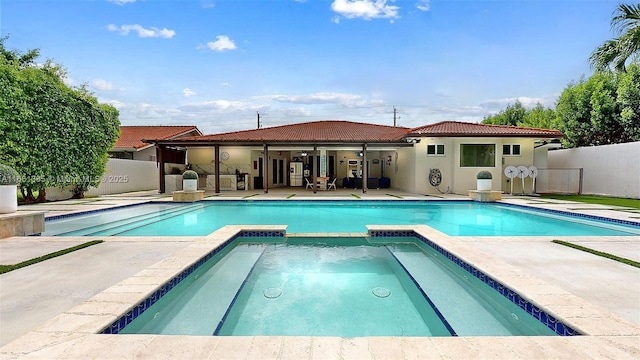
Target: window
477, 155
511, 149
435, 150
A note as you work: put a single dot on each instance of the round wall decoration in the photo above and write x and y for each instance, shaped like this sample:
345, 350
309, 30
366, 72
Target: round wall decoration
224, 156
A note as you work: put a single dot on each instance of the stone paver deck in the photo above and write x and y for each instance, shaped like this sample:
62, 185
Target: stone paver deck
48, 310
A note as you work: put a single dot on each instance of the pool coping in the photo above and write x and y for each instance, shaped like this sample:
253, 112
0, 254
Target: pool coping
74, 332
531, 207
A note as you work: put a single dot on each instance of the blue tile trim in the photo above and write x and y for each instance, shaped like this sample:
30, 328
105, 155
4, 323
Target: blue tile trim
424, 294
145, 304
209, 202
216, 332
572, 214
551, 322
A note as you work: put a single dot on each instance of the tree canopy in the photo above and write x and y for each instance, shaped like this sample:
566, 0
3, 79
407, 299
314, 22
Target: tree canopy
52, 134
517, 115
603, 109
615, 52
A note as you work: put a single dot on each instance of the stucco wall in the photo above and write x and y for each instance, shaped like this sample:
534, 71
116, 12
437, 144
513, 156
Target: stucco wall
402, 169
120, 176
608, 170
148, 154
126, 176
459, 179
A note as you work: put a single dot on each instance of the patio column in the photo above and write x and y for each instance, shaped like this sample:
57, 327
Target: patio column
316, 170
365, 169
265, 169
160, 163
216, 167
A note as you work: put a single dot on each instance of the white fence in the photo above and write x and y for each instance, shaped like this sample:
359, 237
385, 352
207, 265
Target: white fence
126, 176
559, 181
612, 170
121, 176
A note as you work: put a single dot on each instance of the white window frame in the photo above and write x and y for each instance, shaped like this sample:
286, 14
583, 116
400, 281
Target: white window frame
511, 147
436, 153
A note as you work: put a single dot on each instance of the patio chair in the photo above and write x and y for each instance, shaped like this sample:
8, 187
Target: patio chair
309, 185
332, 184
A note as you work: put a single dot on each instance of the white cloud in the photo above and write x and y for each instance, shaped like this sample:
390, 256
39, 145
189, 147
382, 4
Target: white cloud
365, 9
208, 5
341, 99
104, 85
424, 5
225, 84
223, 105
68, 81
188, 92
121, 2
142, 32
221, 44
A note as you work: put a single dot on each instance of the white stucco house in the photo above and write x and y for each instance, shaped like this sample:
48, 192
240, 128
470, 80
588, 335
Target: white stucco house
360, 155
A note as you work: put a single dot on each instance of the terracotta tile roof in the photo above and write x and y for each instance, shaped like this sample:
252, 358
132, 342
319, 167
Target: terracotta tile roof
460, 129
322, 131
131, 136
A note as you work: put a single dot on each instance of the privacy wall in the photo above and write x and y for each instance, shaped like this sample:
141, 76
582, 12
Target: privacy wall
607, 170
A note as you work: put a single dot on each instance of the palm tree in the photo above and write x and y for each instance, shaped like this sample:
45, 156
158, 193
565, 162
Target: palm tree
626, 23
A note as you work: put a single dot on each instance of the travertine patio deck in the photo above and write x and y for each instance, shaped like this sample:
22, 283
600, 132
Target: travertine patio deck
53, 309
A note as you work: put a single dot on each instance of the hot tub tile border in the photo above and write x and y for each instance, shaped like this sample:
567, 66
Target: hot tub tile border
145, 304
548, 320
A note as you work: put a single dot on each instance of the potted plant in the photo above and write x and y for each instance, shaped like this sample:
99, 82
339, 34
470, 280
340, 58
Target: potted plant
483, 179
9, 180
190, 180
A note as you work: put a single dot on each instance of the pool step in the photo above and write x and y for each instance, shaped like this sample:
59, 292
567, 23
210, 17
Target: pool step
198, 308
119, 226
461, 298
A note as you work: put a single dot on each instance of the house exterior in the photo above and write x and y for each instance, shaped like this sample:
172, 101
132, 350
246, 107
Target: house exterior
131, 147
362, 155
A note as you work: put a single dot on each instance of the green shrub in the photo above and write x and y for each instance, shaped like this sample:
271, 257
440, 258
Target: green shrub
484, 175
190, 174
8, 176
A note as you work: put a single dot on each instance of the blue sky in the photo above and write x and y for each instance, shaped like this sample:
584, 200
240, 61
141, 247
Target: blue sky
216, 63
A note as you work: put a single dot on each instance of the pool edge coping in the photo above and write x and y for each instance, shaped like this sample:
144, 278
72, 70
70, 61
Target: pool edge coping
147, 281
93, 315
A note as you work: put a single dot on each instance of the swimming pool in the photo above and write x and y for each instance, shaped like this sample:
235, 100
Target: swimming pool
455, 218
344, 287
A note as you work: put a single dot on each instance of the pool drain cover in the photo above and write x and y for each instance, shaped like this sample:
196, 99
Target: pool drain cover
381, 292
272, 293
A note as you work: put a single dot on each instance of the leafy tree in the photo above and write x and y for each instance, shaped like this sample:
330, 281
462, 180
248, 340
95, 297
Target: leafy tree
518, 115
629, 100
616, 52
53, 135
539, 117
512, 115
603, 109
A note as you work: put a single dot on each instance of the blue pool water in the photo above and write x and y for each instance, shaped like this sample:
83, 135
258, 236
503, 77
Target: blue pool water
455, 218
334, 287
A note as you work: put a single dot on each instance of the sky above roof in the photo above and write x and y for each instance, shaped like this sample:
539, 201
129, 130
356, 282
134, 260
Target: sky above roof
216, 64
